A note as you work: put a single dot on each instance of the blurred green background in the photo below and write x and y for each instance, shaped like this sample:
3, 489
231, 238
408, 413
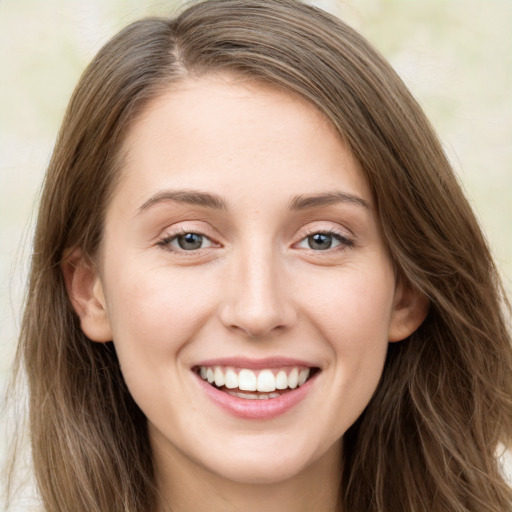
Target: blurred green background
455, 55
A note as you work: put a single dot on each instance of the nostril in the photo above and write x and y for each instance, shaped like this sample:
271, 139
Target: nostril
256, 330
257, 308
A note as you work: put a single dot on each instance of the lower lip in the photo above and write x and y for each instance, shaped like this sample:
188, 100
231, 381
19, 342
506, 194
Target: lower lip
257, 409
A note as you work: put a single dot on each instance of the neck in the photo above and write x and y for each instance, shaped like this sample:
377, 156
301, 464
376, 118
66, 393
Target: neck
188, 487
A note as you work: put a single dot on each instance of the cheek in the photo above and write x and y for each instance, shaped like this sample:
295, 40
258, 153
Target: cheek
154, 313
353, 308
352, 313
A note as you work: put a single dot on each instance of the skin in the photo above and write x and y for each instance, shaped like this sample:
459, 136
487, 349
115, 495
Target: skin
255, 289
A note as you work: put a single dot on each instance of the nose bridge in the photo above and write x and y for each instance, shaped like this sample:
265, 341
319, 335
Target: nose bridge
257, 301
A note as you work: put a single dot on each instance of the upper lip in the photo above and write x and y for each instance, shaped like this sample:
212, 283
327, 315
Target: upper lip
256, 364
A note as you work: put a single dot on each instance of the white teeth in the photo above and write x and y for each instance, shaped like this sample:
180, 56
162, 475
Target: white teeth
247, 396
231, 381
281, 380
266, 381
253, 396
247, 380
219, 377
293, 378
303, 376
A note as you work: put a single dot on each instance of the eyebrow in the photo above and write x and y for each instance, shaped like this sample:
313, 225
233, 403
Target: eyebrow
303, 202
193, 197
208, 200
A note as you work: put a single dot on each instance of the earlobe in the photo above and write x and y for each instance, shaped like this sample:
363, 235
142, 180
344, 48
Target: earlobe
85, 291
409, 311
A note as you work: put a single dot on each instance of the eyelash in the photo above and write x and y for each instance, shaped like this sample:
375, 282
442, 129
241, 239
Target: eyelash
165, 242
344, 241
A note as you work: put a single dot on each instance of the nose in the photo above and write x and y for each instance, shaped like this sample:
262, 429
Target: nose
257, 300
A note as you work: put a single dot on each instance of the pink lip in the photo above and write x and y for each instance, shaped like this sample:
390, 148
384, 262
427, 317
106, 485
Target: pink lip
255, 409
255, 364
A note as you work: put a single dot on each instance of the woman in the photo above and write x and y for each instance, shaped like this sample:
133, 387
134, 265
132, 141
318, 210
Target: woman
256, 283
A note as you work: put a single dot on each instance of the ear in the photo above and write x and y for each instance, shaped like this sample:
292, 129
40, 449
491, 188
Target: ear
410, 308
85, 292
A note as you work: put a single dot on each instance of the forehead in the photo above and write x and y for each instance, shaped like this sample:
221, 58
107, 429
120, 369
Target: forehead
216, 131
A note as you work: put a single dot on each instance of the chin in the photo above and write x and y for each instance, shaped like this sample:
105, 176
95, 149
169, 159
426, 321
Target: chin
269, 465
259, 473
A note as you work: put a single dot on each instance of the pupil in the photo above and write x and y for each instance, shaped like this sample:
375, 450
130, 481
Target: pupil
320, 241
190, 241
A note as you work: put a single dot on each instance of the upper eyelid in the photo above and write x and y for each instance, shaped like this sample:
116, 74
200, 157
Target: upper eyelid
344, 236
164, 243
342, 239
172, 232
342, 233
171, 236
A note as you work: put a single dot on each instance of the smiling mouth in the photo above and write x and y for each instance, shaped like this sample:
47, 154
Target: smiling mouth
263, 384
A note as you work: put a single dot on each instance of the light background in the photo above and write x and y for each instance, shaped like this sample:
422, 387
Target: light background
455, 55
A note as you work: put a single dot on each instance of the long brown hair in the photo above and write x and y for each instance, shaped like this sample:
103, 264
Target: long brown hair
428, 439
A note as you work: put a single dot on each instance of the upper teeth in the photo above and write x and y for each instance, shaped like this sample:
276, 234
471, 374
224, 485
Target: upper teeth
248, 380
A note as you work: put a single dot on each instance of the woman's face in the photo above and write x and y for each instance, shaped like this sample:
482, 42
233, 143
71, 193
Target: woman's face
241, 245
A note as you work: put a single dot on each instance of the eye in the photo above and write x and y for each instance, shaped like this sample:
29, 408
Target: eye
186, 242
323, 241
